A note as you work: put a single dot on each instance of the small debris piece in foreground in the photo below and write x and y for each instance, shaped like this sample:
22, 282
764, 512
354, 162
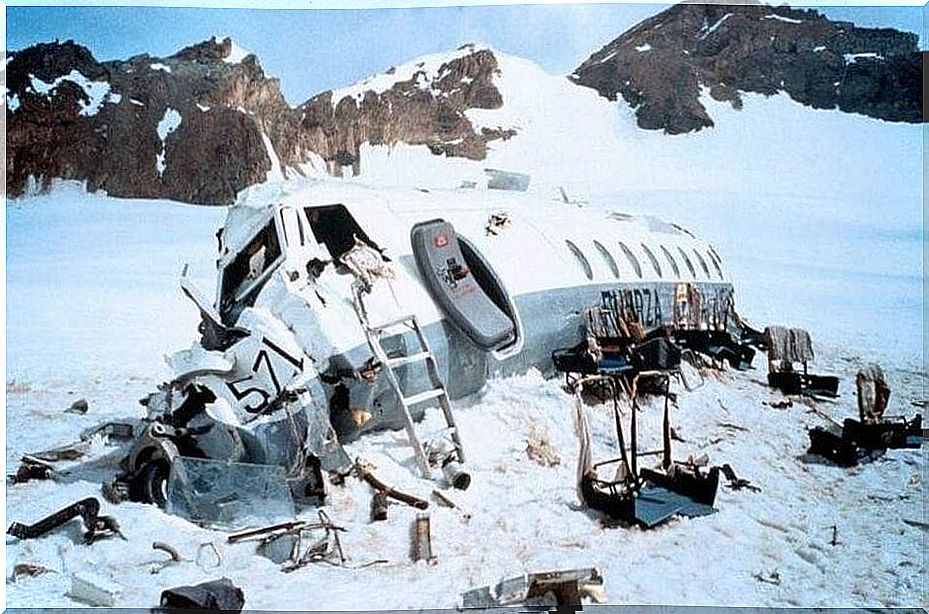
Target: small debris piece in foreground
88, 509
365, 474
551, 588
94, 590
27, 569
78, 407
421, 539
219, 594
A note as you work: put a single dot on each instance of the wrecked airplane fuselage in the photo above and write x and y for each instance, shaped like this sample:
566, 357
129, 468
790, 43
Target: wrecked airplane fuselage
487, 283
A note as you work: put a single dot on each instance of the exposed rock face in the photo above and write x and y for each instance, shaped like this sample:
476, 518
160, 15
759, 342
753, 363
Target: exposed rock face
193, 126
660, 65
73, 117
424, 104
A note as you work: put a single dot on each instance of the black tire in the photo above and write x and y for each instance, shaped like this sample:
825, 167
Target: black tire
151, 484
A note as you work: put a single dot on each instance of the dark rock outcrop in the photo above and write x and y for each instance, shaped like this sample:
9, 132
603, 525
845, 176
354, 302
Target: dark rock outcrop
115, 124
73, 117
660, 66
425, 106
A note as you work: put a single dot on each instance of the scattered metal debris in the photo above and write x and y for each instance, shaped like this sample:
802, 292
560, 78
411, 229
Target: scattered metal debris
31, 469
96, 526
94, 590
171, 551
27, 569
772, 577
539, 448
219, 594
379, 506
203, 551
283, 543
78, 407
421, 539
496, 223
734, 427
552, 588
321, 550
363, 471
445, 501
506, 180
735, 482
782, 404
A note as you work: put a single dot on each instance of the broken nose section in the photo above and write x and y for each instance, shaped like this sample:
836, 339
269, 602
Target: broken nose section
198, 465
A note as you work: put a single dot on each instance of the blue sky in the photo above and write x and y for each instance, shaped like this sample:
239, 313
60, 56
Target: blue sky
315, 50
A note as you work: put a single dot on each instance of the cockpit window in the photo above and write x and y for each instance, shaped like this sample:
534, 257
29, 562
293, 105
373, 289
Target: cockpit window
702, 263
714, 258
690, 265
671, 261
244, 274
608, 257
581, 258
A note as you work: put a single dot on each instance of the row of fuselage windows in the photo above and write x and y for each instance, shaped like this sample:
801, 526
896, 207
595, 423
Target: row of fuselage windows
658, 265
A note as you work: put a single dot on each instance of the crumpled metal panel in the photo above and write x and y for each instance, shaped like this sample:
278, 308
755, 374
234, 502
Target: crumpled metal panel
226, 494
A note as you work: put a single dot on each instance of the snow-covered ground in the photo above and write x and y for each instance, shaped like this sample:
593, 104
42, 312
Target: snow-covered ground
818, 216
93, 305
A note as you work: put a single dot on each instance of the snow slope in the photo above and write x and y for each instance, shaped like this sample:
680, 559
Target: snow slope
524, 516
568, 135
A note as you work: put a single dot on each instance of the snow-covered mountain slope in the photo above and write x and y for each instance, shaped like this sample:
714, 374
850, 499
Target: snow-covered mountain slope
568, 135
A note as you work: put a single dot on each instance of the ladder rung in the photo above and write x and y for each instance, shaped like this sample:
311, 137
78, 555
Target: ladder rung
391, 323
405, 360
422, 397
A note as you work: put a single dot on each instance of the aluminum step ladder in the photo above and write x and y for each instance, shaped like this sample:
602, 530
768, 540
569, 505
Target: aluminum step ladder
374, 333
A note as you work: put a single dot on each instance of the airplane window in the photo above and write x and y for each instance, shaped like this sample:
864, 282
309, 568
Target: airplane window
653, 260
702, 263
631, 258
714, 258
687, 261
608, 257
581, 259
671, 261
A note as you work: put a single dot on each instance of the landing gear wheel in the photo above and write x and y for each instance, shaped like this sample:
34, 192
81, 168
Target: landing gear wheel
151, 483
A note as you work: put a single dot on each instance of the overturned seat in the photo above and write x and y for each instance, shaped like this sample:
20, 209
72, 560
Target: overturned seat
648, 497
872, 432
790, 346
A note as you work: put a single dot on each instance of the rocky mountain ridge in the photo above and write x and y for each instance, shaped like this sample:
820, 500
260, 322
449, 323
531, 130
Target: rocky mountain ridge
202, 124
663, 65
206, 122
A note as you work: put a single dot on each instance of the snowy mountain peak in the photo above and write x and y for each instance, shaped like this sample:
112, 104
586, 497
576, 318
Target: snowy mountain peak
422, 102
424, 72
660, 65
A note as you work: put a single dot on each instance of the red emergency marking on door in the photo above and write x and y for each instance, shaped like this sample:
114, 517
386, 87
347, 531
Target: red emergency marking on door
441, 239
